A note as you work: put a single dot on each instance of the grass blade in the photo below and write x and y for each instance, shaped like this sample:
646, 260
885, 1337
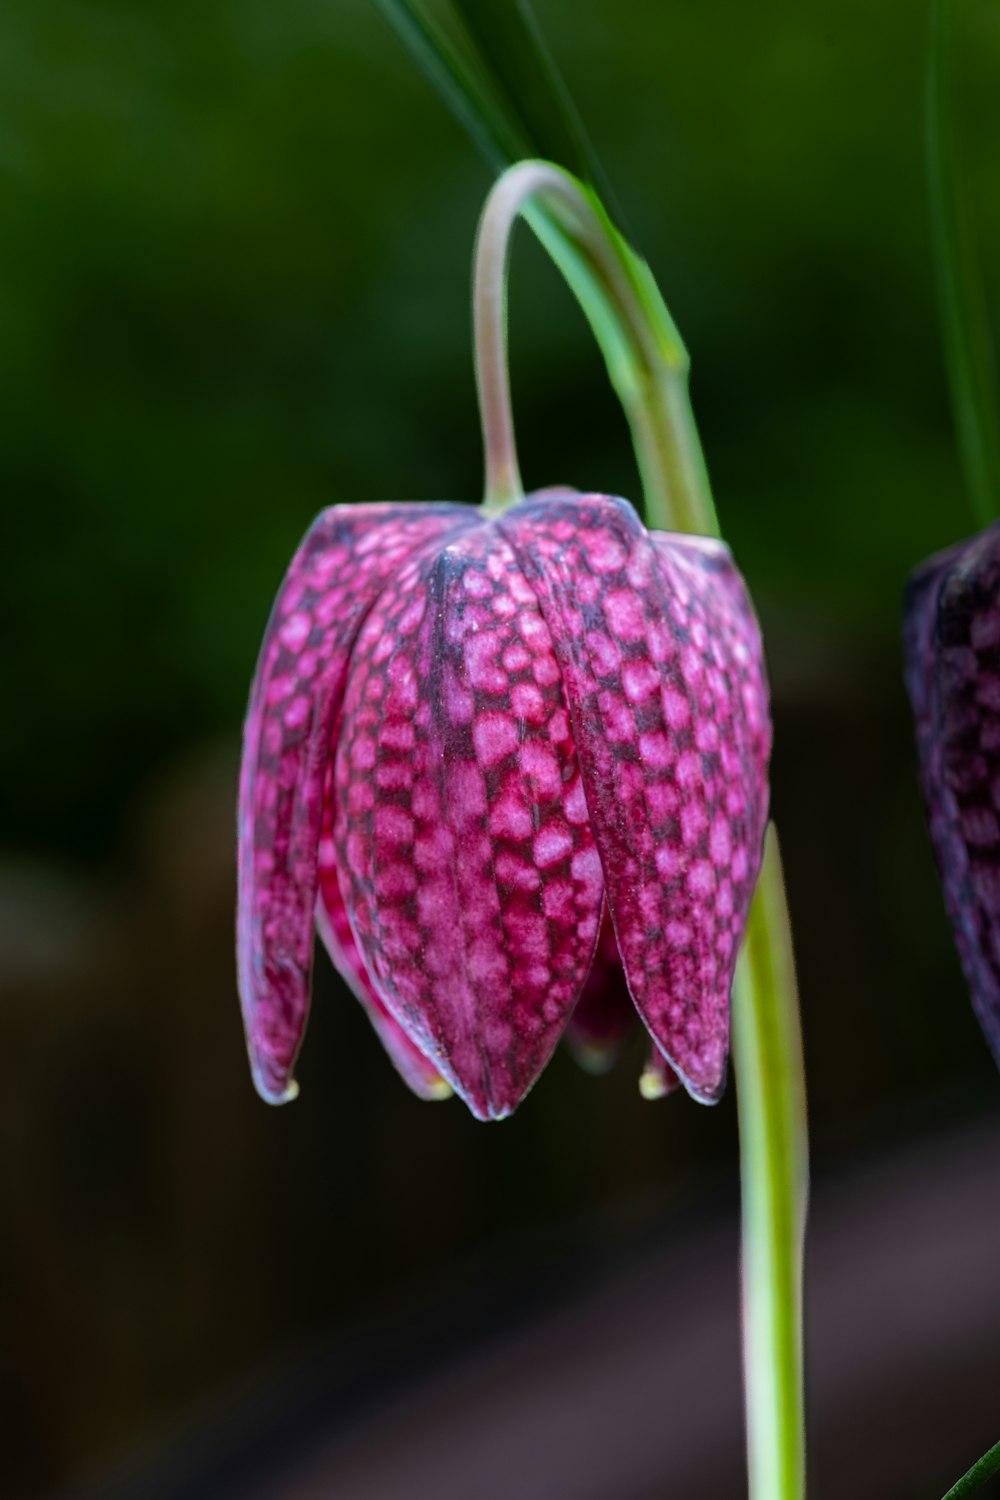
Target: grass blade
969, 360
455, 73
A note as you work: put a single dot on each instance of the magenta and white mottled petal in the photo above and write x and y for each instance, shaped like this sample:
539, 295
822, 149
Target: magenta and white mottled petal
661, 662
745, 732
462, 834
346, 557
604, 1014
334, 928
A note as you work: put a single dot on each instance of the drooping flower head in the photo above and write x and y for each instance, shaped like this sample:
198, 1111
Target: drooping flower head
951, 641
470, 737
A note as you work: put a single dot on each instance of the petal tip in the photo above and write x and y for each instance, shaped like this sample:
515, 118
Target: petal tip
272, 1093
662, 1075
705, 1093
485, 1107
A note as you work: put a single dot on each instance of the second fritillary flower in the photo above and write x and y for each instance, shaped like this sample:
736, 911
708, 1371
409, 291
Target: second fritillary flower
951, 640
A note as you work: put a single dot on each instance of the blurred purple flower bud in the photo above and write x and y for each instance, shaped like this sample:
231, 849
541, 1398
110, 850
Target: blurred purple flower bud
951, 643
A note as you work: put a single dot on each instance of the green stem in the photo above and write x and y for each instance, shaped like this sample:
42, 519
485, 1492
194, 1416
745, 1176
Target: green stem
767, 1056
648, 366
489, 316
646, 360
982, 1469
972, 378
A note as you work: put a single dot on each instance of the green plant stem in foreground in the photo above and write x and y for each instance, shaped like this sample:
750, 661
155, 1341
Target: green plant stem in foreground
766, 1039
648, 367
982, 1469
767, 1057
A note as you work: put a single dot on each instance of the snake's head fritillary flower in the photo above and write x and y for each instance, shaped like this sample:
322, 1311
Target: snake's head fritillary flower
951, 643
470, 737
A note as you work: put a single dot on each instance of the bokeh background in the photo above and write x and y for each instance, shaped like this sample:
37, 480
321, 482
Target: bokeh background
234, 287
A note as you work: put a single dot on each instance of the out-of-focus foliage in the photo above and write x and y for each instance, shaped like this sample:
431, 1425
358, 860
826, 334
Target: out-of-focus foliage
233, 278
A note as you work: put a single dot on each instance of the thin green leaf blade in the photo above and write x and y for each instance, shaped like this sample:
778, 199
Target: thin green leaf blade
478, 54
455, 73
969, 358
489, 62
984, 1468
510, 43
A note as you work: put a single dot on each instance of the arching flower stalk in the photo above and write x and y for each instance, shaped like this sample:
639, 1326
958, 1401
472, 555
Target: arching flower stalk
473, 731
511, 759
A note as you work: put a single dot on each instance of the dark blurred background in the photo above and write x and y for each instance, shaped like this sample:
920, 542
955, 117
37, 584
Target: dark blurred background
235, 242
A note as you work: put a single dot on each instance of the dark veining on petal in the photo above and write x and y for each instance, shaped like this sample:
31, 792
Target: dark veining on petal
476, 901
345, 559
951, 643
661, 658
334, 928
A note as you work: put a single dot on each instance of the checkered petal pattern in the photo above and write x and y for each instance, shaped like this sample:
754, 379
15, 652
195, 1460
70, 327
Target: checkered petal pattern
334, 928
471, 739
661, 660
951, 642
461, 825
348, 554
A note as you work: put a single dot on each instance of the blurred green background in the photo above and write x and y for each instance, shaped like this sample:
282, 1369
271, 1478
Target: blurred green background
235, 246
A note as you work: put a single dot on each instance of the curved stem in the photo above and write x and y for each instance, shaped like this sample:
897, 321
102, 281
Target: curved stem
646, 359
982, 1469
489, 321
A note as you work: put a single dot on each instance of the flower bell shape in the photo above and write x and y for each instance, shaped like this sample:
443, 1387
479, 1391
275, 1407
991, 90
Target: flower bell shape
951, 640
470, 736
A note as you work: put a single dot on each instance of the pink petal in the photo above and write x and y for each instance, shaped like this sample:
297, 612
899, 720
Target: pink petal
604, 1014
462, 834
661, 659
334, 929
722, 594
344, 560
